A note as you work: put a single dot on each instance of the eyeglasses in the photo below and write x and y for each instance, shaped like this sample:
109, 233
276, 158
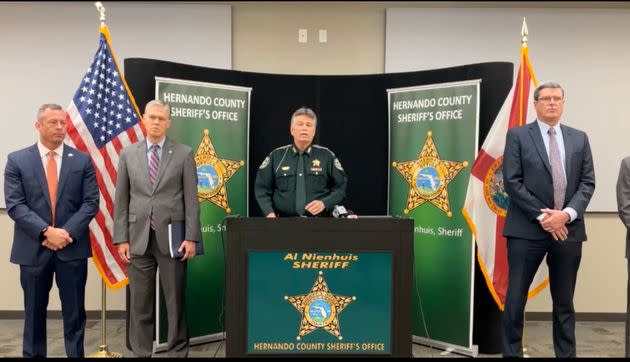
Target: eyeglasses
549, 99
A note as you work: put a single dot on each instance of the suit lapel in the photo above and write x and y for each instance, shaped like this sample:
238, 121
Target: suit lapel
567, 137
165, 158
534, 132
36, 161
143, 162
66, 165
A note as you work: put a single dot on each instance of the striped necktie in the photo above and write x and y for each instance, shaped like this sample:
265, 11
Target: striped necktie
154, 163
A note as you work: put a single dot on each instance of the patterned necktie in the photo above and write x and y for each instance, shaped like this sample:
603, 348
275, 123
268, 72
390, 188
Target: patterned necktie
51, 180
154, 163
300, 187
557, 173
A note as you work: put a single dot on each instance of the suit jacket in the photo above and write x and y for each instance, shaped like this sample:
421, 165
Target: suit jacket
173, 197
623, 199
528, 182
28, 204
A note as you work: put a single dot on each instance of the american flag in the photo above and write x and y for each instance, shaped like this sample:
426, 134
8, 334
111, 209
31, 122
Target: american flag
102, 119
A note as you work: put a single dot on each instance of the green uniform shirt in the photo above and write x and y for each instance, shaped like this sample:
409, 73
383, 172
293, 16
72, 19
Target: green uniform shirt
275, 185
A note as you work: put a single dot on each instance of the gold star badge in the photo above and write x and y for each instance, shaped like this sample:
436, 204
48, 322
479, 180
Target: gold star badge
428, 177
315, 163
213, 173
319, 309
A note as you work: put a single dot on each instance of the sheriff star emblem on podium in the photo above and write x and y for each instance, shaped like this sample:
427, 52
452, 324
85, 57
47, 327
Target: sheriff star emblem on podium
213, 173
428, 177
320, 309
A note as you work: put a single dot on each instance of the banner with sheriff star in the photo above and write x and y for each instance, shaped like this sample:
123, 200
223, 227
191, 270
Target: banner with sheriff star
432, 143
213, 120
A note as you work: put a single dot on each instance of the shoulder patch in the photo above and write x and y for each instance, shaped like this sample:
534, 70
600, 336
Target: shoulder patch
337, 164
265, 162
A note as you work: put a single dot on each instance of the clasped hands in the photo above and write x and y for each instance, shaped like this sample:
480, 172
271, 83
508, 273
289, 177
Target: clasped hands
56, 238
554, 222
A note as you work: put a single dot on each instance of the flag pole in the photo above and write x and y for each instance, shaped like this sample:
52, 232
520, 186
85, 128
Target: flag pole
103, 352
524, 33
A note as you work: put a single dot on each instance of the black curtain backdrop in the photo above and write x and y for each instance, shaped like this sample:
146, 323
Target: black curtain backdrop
352, 113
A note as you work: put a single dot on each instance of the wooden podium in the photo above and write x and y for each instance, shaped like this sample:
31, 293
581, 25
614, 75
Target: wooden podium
319, 287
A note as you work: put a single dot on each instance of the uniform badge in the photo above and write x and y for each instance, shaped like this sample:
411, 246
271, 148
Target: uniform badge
264, 163
315, 167
338, 164
286, 168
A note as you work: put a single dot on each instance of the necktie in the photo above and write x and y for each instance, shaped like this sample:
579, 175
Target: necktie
300, 187
154, 163
557, 173
51, 179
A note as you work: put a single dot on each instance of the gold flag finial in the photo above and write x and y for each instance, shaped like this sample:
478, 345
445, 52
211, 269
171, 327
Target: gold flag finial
101, 9
524, 33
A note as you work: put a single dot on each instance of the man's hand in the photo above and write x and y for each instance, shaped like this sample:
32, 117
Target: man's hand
315, 207
554, 223
188, 249
554, 220
124, 253
561, 234
56, 238
271, 215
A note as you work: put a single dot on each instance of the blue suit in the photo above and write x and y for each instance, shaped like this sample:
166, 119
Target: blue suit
528, 182
28, 204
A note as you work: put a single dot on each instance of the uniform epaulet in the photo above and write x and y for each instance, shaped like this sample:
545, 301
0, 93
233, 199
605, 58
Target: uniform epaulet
324, 148
282, 147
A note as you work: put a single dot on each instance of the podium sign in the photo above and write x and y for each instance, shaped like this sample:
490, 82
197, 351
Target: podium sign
319, 287
319, 302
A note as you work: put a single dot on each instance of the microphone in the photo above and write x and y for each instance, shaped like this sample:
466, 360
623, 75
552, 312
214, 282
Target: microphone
339, 212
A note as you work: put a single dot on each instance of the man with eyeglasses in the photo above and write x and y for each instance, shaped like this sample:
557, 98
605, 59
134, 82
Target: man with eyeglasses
549, 177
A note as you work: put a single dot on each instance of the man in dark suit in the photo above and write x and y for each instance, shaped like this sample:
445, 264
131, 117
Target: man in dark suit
549, 177
156, 184
623, 207
51, 194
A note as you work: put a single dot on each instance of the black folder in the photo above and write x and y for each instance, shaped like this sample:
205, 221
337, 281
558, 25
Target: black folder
176, 235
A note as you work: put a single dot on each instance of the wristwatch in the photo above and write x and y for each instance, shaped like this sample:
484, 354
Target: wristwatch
41, 234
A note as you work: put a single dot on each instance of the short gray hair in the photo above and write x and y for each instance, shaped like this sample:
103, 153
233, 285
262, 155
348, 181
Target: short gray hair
547, 85
46, 106
160, 103
304, 111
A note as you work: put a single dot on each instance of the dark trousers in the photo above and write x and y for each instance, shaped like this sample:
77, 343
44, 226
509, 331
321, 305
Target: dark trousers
524, 257
36, 282
628, 314
142, 272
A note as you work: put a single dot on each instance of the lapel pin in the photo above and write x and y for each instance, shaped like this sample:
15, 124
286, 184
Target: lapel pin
70, 154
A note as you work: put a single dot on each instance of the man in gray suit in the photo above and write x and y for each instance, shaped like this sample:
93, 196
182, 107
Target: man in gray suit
623, 207
156, 184
549, 177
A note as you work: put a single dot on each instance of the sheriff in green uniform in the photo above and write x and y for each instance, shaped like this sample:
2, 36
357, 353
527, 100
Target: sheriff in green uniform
302, 178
